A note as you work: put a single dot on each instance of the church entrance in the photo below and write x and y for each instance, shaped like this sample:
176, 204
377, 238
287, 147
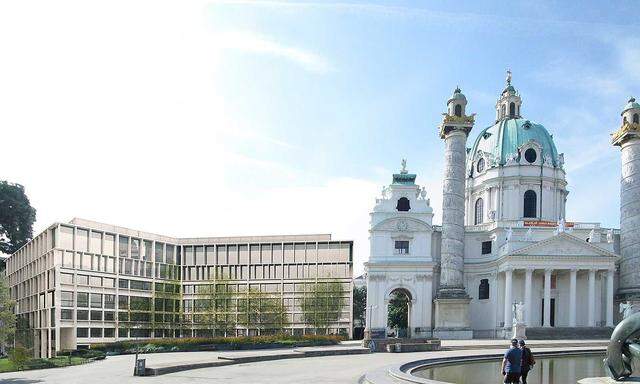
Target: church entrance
552, 317
399, 313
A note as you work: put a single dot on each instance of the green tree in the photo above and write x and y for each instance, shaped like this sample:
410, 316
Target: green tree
7, 315
359, 305
262, 311
398, 310
16, 217
322, 304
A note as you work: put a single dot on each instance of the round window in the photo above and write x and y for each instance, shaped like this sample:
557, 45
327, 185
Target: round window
480, 166
530, 155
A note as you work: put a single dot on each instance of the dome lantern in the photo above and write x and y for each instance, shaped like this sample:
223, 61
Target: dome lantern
508, 105
457, 103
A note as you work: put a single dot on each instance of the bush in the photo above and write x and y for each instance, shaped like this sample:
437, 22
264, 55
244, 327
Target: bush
38, 364
210, 343
92, 354
18, 356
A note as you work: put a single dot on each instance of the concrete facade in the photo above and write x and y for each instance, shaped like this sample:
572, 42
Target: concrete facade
84, 282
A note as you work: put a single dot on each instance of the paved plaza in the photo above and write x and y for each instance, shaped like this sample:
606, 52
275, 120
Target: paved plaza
329, 369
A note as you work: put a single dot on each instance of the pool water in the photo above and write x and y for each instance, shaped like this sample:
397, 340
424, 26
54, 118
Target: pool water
552, 370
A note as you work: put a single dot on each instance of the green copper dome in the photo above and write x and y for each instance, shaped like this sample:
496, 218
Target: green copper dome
507, 135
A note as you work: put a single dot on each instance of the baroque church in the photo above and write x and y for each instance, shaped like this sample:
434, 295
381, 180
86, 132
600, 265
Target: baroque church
505, 244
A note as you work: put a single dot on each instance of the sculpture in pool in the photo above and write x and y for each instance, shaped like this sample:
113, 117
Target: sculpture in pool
623, 348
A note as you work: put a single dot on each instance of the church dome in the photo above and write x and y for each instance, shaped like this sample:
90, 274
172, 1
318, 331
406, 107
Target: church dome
506, 136
458, 95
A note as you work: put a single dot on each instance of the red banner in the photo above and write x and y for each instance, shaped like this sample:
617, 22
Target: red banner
545, 223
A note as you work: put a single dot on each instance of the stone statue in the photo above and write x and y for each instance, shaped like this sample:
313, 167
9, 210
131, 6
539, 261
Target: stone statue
508, 77
561, 225
511, 158
423, 193
610, 236
561, 160
529, 235
623, 349
627, 309
404, 166
518, 313
508, 235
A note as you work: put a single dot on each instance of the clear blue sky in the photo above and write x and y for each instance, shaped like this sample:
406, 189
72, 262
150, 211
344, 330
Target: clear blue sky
283, 117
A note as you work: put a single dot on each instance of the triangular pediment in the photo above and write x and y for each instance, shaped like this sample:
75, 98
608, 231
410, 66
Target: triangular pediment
402, 224
563, 244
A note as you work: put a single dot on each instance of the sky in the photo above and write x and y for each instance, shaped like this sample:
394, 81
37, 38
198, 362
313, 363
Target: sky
220, 118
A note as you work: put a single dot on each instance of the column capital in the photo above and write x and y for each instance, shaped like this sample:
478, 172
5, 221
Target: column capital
529, 270
548, 271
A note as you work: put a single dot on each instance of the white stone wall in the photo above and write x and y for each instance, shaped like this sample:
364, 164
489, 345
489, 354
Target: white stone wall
452, 253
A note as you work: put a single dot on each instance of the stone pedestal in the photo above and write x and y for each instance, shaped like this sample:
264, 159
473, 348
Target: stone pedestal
606, 380
519, 331
452, 319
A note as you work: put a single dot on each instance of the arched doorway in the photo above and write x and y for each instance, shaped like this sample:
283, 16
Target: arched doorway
399, 313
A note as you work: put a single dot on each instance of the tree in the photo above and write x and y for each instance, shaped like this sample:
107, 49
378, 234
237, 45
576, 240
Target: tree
262, 311
322, 304
16, 217
359, 305
398, 310
7, 315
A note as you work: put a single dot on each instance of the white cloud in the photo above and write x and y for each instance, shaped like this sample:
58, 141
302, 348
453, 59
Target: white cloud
254, 43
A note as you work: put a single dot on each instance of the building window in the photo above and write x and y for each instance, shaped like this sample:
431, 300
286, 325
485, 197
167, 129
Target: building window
96, 332
66, 314
458, 110
503, 110
479, 211
83, 299
96, 300
480, 165
486, 247
82, 332
82, 315
403, 204
66, 299
512, 109
402, 247
530, 204
66, 278
109, 316
83, 280
109, 301
636, 118
530, 155
109, 332
483, 289
123, 283
96, 315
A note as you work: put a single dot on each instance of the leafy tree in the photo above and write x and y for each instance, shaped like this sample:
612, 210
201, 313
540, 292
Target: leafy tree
398, 310
215, 305
19, 356
359, 305
7, 316
322, 304
16, 217
262, 311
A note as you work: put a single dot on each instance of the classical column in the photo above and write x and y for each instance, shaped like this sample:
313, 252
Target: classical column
628, 139
547, 298
609, 309
452, 256
508, 315
572, 297
527, 296
592, 299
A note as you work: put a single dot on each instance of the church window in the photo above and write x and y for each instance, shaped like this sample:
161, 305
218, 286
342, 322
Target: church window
512, 109
402, 247
486, 247
479, 211
530, 155
403, 204
483, 289
480, 166
530, 204
458, 110
635, 118
503, 111
624, 119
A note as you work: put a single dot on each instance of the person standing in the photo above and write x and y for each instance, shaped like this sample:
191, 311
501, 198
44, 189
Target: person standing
511, 363
527, 361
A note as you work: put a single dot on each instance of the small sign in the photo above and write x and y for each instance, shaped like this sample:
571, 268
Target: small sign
378, 333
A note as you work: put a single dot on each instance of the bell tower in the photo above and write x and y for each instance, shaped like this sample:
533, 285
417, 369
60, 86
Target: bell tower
508, 105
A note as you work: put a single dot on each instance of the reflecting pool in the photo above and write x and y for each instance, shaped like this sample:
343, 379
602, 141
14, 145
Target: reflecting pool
551, 370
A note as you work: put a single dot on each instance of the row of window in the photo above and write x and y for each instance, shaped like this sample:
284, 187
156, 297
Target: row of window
96, 332
86, 300
83, 314
530, 204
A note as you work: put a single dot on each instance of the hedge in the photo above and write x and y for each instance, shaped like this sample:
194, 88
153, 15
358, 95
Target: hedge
213, 343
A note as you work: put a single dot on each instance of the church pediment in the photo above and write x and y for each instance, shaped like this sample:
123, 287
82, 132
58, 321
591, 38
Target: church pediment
563, 244
402, 224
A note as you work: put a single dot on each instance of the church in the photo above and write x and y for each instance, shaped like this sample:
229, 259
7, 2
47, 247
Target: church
505, 244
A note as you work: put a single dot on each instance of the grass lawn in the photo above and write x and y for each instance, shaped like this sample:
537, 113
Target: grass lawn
7, 366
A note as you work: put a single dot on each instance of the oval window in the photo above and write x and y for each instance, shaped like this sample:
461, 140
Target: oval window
480, 166
530, 155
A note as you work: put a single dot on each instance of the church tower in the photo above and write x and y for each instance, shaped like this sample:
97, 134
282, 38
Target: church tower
452, 301
628, 139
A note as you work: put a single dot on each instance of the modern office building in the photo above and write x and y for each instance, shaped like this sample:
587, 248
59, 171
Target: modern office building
84, 282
